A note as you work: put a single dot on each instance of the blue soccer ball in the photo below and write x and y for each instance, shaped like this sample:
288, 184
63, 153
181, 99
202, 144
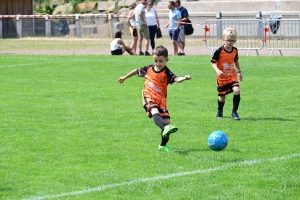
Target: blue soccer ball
217, 141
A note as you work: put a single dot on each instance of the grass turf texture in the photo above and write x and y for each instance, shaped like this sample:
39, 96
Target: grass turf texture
68, 126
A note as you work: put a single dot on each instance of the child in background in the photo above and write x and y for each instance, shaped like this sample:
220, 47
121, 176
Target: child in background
118, 47
224, 62
157, 77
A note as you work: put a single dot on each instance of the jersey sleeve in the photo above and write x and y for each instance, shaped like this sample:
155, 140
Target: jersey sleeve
236, 57
143, 71
216, 55
171, 76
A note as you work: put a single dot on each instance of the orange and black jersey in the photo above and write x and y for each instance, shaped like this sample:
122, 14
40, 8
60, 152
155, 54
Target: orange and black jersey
225, 61
156, 82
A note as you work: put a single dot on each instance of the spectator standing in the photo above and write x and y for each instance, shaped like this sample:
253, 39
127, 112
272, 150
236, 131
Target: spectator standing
152, 22
184, 18
141, 26
132, 27
174, 25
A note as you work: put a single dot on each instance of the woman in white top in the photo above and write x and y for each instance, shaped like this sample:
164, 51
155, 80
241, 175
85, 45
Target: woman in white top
118, 47
132, 27
152, 22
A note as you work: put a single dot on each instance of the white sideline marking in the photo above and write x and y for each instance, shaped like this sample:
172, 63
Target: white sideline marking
168, 176
80, 60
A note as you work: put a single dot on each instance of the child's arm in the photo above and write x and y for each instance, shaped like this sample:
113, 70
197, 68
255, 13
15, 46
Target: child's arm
130, 74
128, 19
219, 72
181, 79
237, 65
130, 16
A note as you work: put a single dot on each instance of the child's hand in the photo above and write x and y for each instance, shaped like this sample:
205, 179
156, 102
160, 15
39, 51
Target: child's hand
219, 73
187, 77
240, 76
121, 79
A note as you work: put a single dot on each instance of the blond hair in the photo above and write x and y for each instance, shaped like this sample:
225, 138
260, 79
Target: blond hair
230, 33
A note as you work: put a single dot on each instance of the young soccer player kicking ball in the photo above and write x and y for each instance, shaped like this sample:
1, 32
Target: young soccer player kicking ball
157, 77
224, 62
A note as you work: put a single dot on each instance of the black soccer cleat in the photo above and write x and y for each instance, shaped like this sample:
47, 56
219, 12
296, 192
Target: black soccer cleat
235, 115
219, 114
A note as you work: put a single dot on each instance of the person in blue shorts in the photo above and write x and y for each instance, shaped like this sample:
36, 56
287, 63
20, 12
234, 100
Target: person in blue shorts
184, 18
174, 25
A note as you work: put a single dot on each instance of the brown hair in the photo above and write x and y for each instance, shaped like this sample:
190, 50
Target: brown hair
118, 34
177, 1
160, 51
172, 3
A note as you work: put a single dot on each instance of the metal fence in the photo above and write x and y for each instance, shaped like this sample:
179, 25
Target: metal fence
17, 26
253, 34
285, 34
250, 33
273, 34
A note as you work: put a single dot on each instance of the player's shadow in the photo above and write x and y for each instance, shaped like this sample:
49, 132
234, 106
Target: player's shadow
262, 119
5, 189
187, 151
266, 119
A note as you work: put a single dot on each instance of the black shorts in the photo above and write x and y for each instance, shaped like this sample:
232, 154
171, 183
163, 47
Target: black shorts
227, 89
117, 52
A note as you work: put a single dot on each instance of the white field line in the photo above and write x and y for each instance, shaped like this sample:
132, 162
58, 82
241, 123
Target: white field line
168, 176
19, 65
87, 60
39, 63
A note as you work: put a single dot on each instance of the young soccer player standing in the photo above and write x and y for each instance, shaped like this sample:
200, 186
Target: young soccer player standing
157, 77
224, 62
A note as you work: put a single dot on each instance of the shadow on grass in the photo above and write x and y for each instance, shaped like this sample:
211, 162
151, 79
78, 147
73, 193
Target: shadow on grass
187, 151
6, 189
266, 119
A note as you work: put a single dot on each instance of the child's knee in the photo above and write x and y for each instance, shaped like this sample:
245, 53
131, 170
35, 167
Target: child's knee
236, 90
221, 98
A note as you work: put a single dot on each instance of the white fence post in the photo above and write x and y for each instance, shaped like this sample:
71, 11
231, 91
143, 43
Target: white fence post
260, 31
1, 34
19, 26
48, 26
78, 26
219, 25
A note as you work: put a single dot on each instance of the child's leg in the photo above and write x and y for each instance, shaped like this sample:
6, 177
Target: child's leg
164, 140
221, 102
164, 125
236, 103
158, 120
236, 98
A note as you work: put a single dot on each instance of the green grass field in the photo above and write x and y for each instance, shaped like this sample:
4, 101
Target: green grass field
70, 131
